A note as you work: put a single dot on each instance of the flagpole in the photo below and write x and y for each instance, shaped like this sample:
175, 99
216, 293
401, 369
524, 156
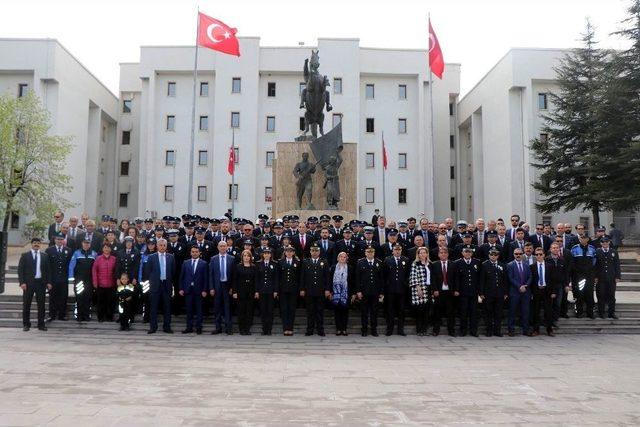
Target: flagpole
233, 175
384, 187
193, 120
433, 147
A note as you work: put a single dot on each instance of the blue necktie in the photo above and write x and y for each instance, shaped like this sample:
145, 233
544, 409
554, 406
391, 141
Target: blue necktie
223, 269
540, 275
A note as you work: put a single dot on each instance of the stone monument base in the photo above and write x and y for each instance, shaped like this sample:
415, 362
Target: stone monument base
306, 213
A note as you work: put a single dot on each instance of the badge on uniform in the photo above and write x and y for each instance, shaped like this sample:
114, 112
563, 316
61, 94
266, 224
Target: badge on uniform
295, 265
404, 263
271, 266
322, 264
475, 266
79, 287
499, 267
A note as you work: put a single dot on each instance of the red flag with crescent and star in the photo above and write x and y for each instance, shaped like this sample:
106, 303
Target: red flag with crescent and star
231, 165
436, 60
384, 154
217, 35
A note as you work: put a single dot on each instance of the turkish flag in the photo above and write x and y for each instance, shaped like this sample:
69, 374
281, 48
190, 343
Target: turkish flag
436, 60
231, 166
384, 154
217, 35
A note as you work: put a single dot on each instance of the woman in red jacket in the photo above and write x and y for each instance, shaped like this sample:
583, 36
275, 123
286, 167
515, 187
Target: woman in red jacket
104, 282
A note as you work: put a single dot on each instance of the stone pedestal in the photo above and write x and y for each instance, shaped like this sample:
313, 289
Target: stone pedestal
284, 183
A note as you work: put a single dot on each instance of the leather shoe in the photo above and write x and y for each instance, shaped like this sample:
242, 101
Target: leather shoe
613, 316
321, 334
167, 331
364, 334
42, 328
187, 331
26, 328
308, 334
499, 335
535, 333
374, 333
151, 331
229, 332
388, 333
216, 332
512, 334
402, 334
551, 333
475, 334
199, 331
529, 334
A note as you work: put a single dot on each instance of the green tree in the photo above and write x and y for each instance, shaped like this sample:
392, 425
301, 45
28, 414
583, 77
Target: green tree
569, 158
32, 164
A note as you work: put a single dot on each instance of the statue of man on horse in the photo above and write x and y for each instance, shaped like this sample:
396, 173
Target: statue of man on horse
314, 96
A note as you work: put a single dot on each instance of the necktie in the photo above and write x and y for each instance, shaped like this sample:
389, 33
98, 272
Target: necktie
324, 245
302, 240
521, 273
397, 263
289, 262
540, 275
35, 261
193, 265
444, 273
73, 233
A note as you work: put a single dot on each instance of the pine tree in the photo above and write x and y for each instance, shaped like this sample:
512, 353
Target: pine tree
569, 157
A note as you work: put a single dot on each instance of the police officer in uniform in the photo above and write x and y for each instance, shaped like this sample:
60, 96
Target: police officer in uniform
59, 257
466, 282
583, 261
128, 261
370, 289
82, 280
289, 285
396, 279
205, 246
266, 288
315, 288
349, 246
491, 244
494, 289
607, 277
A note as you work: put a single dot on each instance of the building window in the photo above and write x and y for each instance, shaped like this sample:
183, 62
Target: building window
301, 126
202, 193
171, 123
235, 119
402, 160
169, 158
546, 219
15, 220
370, 125
402, 196
126, 137
370, 160
452, 141
203, 157
337, 85
337, 119
126, 106
370, 91
542, 101
168, 193
271, 89
236, 85
453, 204
402, 125
271, 124
402, 91
233, 192
204, 88
452, 172
124, 200
370, 195
584, 220
124, 168
301, 87
204, 122
23, 88
269, 158
451, 108
268, 194
544, 138
236, 155
171, 89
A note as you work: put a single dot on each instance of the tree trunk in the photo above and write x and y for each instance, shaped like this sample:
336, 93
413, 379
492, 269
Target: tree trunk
4, 237
595, 211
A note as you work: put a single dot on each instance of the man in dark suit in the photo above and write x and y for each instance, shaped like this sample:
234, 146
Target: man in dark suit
59, 257
95, 237
56, 227
327, 250
33, 276
380, 231
194, 282
302, 242
160, 269
519, 275
221, 268
539, 239
374, 218
445, 301
349, 246
483, 250
494, 291
518, 243
428, 237
368, 241
466, 282
607, 277
370, 289
315, 287
396, 278
543, 292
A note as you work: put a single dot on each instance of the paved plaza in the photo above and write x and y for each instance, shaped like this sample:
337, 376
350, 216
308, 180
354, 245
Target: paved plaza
78, 378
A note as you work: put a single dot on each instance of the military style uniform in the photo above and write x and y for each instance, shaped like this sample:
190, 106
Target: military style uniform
266, 286
350, 247
369, 282
582, 269
314, 281
82, 279
396, 280
466, 281
289, 285
607, 271
59, 258
494, 287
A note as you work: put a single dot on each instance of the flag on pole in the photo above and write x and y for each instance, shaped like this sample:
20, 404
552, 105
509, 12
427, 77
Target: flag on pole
231, 166
217, 35
384, 154
436, 60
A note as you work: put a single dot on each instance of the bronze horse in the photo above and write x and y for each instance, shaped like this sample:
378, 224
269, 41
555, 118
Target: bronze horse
314, 96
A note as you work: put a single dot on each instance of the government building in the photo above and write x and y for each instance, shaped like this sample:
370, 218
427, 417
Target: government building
132, 150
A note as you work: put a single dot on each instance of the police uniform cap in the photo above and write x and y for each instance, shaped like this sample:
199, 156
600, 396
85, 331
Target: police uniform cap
289, 248
294, 218
337, 218
325, 217
186, 217
312, 219
106, 218
466, 235
247, 242
368, 229
160, 228
149, 220
601, 228
392, 232
263, 216
278, 225
265, 237
128, 239
315, 245
494, 251
347, 230
605, 239
266, 249
138, 220
166, 218
492, 233
214, 221
86, 239
467, 249
370, 248
172, 232
59, 236
461, 223
402, 224
151, 240
110, 231
200, 230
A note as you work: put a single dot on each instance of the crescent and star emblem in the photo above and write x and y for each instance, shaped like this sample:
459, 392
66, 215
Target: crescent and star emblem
210, 30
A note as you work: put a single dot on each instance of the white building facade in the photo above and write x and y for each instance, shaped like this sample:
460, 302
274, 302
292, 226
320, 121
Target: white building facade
80, 106
255, 100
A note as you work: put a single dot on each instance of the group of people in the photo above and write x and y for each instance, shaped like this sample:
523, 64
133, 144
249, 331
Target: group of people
437, 272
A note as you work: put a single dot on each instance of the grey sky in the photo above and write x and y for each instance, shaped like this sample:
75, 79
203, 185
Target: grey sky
475, 33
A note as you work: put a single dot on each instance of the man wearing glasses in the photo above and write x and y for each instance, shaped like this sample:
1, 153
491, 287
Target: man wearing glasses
56, 227
519, 275
544, 293
493, 291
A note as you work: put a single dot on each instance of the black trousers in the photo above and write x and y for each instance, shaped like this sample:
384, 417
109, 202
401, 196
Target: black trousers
341, 313
493, 306
58, 296
315, 313
105, 301
584, 297
445, 306
156, 298
541, 300
369, 312
468, 314
193, 305
288, 303
37, 288
606, 292
245, 313
421, 313
126, 317
266, 312
395, 309
83, 302
561, 304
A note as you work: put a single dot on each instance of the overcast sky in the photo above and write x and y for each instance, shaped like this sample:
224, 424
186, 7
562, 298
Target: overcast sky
475, 33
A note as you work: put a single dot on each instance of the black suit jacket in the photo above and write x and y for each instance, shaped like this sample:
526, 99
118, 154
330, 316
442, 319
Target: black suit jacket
26, 272
396, 277
437, 276
96, 241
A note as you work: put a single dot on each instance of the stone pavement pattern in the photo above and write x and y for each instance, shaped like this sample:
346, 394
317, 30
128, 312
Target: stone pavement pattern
77, 378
